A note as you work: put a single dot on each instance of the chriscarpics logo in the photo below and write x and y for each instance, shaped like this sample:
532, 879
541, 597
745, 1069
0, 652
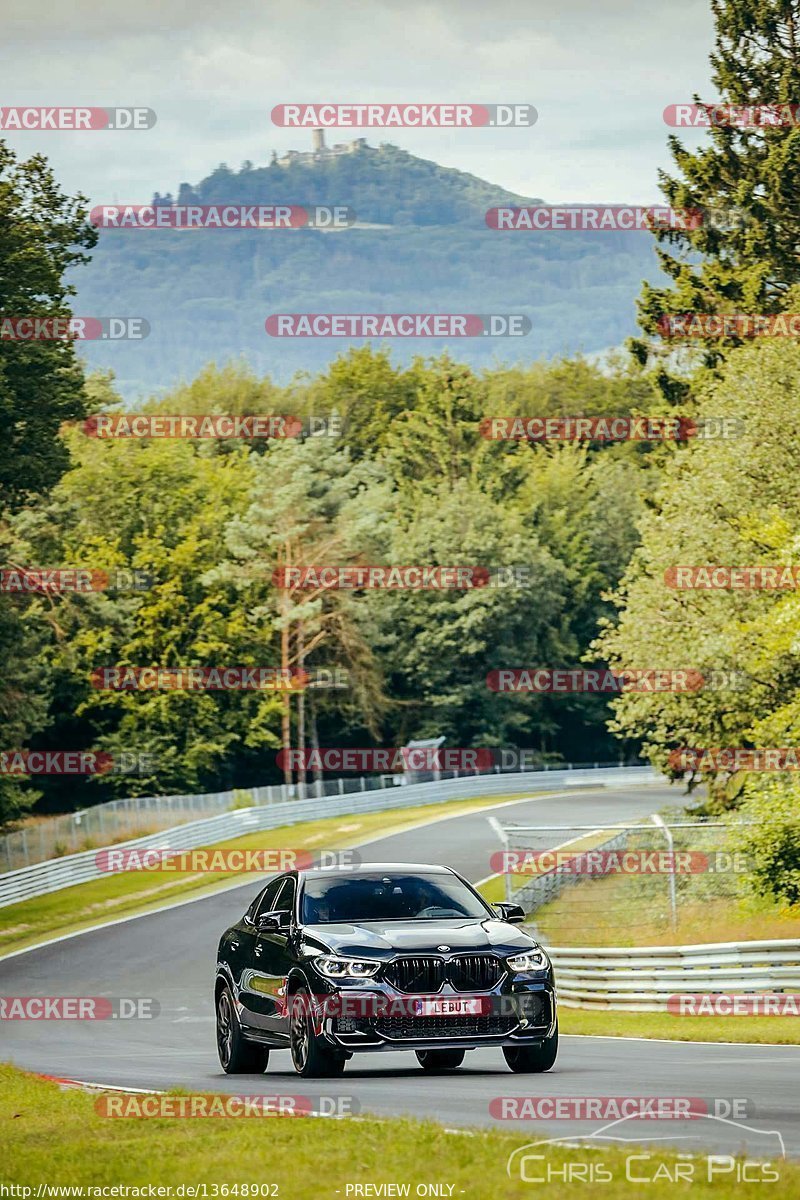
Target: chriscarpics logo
742, 1153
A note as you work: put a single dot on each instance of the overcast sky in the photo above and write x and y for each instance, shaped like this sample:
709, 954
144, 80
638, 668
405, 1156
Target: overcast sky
600, 73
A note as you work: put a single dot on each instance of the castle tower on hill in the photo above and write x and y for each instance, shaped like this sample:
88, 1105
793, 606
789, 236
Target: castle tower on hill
320, 150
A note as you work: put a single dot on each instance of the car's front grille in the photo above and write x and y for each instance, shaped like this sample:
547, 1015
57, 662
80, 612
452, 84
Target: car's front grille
416, 974
464, 972
474, 972
487, 1025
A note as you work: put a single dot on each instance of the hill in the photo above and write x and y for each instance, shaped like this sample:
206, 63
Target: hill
206, 293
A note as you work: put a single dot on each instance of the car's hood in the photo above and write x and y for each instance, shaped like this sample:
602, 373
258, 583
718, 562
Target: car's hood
384, 939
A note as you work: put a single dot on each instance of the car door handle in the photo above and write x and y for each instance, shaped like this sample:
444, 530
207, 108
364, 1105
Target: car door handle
257, 950
234, 945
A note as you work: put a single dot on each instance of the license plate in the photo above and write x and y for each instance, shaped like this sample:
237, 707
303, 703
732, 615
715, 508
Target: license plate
442, 1006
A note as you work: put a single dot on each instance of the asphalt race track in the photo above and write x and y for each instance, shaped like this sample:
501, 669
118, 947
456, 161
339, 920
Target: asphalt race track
170, 956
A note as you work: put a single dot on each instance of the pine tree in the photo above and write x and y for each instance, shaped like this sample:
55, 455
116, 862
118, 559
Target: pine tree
743, 255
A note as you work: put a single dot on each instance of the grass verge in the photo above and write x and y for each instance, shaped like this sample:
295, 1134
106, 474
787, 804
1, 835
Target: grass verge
622, 910
605, 1023
129, 892
57, 1138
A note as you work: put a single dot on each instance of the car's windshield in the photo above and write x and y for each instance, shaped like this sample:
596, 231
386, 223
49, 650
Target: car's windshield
328, 899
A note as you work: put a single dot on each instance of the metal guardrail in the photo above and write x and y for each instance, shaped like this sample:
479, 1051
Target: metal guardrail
643, 979
136, 816
55, 874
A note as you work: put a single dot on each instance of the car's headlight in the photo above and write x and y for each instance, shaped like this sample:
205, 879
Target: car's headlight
346, 968
531, 960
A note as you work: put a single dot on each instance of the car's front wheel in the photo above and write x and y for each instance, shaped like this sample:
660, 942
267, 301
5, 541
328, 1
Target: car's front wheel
532, 1060
440, 1060
312, 1058
236, 1055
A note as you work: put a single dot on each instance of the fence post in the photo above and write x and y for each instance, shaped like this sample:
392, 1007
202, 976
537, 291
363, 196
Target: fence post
495, 825
673, 903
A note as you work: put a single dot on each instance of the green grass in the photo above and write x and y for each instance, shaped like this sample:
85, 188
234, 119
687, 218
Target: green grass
764, 1030
630, 911
494, 889
56, 1137
128, 892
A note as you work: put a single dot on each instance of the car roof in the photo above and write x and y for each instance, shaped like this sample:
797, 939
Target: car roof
378, 868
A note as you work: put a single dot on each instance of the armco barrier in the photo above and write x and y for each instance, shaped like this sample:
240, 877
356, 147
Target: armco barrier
137, 816
642, 979
56, 873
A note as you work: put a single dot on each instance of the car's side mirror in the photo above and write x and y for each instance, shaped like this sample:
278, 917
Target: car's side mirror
514, 914
273, 922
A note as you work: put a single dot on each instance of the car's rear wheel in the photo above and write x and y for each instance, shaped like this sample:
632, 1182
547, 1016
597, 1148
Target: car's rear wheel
532, 1060
237, 1056
440, 1060
312, 1058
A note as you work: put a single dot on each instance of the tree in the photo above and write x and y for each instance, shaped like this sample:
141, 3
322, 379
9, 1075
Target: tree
742, 257
161, 508
209, 520
42, 232
773, 839
437, 647
298, 517
563, 518
366, 392
731, 501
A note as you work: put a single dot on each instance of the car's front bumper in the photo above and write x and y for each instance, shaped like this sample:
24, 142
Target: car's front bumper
522, 1012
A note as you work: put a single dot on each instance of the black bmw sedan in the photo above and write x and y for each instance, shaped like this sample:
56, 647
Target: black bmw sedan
328, 963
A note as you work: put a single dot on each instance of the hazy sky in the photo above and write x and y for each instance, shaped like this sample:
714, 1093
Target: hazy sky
600, 72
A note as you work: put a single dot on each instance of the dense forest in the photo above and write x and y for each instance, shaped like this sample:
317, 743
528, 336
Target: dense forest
403, 475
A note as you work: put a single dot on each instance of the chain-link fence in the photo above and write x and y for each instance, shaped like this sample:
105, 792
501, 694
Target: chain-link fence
623, 877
